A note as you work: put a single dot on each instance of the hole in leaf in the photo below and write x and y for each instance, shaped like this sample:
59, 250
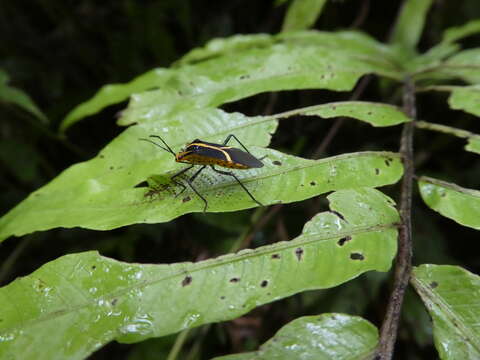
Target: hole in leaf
433, 284
234, 280
357, 256
299, 253
264, 283
342, 241
276, 162
276, 256
187, 280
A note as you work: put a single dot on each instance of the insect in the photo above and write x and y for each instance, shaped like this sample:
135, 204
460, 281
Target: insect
203, 153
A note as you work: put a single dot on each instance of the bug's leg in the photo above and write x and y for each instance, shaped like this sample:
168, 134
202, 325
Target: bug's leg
172, 179
199, 195
190, 183
233, 136
241, 184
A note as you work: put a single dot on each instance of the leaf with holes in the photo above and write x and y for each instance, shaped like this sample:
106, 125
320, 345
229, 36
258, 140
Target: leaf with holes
452, 297
237, 69
107, 192
376, 114
324, 337
77, 303
452, 201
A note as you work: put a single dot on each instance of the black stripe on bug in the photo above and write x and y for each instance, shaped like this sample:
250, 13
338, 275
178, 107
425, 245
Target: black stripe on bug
203, 153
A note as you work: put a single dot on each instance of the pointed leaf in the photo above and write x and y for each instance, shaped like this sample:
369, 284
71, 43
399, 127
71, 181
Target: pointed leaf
465, 98
72, 306
230, 69
302, 14
452, 201
115, 93
473, 144
102, 194
410, 23
324, 337
12, 95
452, 297
464, 65
459, 32
376, 114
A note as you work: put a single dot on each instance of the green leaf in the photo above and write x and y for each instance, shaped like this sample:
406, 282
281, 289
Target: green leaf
286, 66
231, 69
452, 297
79, 302
11, 95
324, 337
466, 98
222, 46
376, 114
113, 94
410, 23
302, 14
459, 32
473, 144
452, 201
421, 66
464, 65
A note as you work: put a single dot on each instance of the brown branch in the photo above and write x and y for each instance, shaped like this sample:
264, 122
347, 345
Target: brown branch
388, 332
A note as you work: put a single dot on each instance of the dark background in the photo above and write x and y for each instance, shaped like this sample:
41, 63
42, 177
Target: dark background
62, 52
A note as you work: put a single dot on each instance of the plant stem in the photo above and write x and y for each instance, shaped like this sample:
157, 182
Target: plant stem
388, 332
177, 346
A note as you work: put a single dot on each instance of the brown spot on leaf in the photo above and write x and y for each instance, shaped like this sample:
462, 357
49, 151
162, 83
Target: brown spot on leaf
222, 297
299, 253
114, 302
357, 256
187, 280
186, 198
433, 284
342, 241
94, 267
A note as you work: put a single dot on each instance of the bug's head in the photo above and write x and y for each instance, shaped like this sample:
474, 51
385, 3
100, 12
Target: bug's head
183, 155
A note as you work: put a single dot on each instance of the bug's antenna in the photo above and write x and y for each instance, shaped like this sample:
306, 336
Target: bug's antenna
167, 148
